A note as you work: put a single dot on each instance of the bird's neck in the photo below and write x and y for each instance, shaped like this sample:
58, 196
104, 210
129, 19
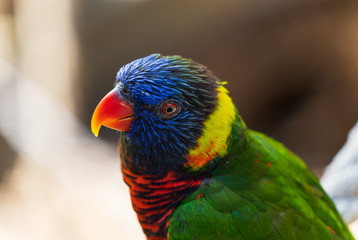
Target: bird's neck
155, 197
216, 135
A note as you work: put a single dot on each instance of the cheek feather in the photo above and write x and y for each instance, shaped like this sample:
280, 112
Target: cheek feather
217, 128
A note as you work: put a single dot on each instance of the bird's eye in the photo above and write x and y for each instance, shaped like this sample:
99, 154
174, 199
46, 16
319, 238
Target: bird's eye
169, 109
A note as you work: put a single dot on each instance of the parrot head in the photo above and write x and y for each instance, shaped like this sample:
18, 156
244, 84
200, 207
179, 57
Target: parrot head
170, 111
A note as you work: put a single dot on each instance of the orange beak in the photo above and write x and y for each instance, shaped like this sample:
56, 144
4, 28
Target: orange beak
112, 112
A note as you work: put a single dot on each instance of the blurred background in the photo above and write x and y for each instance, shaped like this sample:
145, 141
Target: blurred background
292, 68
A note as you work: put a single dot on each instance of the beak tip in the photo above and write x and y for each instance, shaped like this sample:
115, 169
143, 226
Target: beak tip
95, 128
95, 132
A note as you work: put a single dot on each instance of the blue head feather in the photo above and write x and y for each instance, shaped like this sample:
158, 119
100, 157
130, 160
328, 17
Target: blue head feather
156, 143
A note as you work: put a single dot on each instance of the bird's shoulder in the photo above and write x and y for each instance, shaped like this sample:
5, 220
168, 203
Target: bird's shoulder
266, 192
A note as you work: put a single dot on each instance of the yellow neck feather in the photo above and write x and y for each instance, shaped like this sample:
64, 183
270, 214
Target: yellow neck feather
213, 141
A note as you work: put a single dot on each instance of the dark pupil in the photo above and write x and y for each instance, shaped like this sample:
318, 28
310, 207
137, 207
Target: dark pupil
169, 109
124, 90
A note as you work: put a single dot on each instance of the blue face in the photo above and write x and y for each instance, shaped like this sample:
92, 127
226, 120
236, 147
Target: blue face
172, 97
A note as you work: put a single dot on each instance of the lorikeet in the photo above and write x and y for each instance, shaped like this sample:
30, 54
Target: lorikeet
193, 168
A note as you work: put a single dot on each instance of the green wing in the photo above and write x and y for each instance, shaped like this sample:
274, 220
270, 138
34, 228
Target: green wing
263, 192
